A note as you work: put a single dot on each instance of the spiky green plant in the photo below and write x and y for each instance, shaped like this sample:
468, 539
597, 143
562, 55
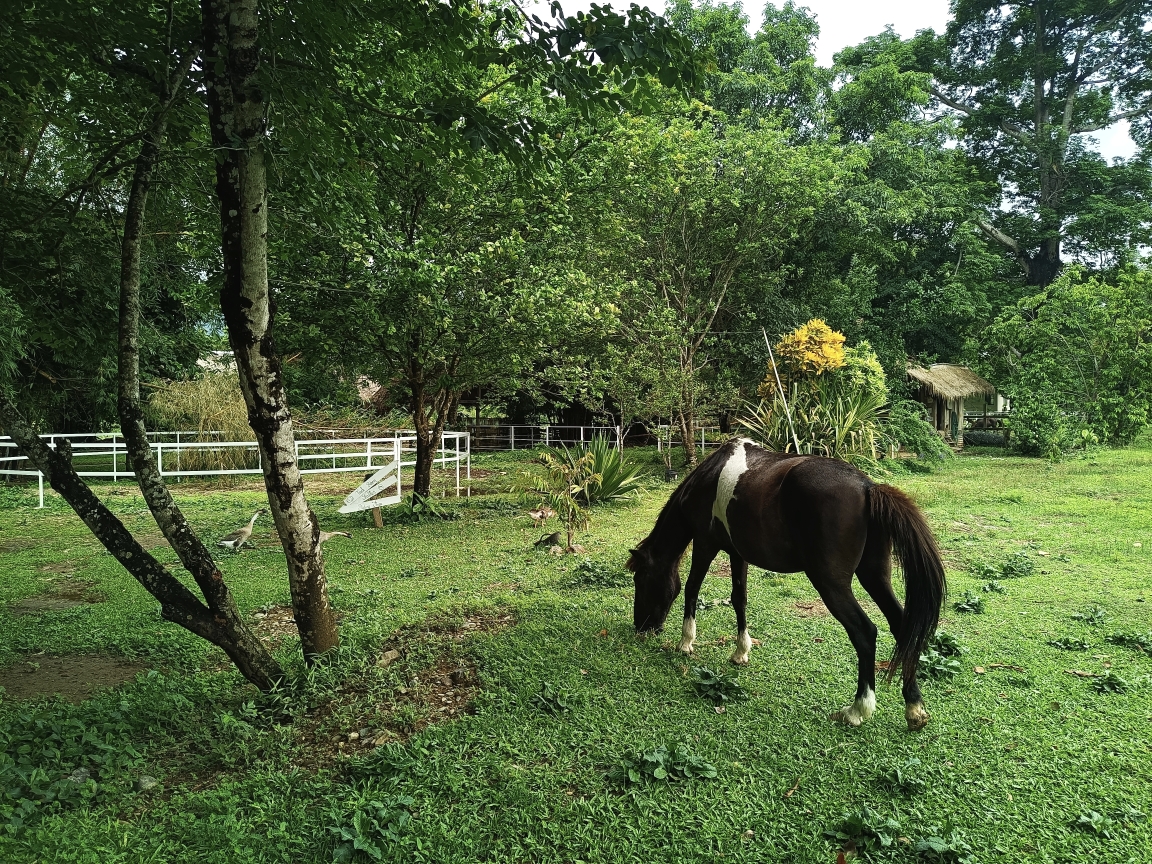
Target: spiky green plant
619, 479
829, 421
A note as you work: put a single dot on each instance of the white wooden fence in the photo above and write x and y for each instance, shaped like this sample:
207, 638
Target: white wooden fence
106, 456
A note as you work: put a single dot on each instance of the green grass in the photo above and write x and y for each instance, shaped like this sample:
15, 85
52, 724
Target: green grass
1015, 762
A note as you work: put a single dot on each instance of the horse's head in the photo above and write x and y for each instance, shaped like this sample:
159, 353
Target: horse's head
657, 586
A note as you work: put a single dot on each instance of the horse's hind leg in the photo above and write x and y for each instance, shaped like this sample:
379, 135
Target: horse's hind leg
875, 572
836, 592
740, 604
702, 555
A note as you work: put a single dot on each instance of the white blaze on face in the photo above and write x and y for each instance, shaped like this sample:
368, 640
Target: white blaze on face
689, 636
730, 475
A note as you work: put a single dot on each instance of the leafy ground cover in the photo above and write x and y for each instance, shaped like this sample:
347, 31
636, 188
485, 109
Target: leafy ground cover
489, 694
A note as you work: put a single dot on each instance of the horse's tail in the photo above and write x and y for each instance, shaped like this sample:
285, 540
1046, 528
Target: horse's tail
895, 513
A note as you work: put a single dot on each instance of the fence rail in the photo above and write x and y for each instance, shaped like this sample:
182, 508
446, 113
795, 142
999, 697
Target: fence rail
508, 436
107, 456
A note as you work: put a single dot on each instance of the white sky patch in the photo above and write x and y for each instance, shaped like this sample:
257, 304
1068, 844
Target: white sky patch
850, 22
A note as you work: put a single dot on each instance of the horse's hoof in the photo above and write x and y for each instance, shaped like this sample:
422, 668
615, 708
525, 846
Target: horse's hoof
916, 716
685, 648
739, 659
846, 716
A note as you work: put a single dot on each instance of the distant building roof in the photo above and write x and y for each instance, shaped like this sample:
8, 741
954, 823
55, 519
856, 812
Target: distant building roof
948, 381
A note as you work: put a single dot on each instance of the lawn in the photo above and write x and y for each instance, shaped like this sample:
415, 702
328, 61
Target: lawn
486, 690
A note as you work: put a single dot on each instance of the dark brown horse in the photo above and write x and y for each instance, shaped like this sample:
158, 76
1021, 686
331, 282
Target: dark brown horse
789, 513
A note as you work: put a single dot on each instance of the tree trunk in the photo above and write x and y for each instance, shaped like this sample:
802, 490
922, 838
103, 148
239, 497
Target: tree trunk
429, 438
177, 603
262, 669
1043, 267
237, 118
688, 408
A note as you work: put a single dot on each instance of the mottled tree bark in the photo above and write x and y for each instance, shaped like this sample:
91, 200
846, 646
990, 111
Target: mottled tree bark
257, 664
238, 126
177, 604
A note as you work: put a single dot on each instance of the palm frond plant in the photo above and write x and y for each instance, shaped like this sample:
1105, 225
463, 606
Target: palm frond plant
562, 482
618, 478
829, 421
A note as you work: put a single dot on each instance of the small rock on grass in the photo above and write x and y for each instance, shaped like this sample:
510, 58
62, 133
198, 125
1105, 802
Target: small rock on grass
388, 658
145, 783
80, 775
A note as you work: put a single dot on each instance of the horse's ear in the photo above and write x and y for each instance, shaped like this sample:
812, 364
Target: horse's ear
637, 557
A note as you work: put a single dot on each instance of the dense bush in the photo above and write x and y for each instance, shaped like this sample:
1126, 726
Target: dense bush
908, 428
1076, 359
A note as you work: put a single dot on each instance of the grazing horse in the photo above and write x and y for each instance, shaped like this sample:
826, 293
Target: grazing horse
788, 513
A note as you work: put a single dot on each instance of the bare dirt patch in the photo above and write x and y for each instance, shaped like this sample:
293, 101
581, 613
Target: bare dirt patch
73, 678
152, 541
721, 569
439, 683
60, 567
16, 544
810, 609
67, 596
275, 623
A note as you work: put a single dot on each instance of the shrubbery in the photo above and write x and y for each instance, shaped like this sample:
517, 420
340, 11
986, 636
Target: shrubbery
1076, 359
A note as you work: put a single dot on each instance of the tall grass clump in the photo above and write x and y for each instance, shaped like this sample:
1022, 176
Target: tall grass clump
213, 408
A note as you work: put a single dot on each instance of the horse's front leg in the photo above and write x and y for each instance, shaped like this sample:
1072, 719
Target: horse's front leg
702, 555
740, 604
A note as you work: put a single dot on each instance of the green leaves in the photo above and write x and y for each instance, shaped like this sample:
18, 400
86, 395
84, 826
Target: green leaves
866, 829
670, 764
970, 602
719, 688
1075, 358
1093, 616
370, 826
1136, 641
598, 574
550, 700
941, 660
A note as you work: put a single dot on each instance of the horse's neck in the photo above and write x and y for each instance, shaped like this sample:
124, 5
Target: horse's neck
670, 535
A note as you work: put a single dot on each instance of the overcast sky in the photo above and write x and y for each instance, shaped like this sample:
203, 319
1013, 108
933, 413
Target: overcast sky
849, 22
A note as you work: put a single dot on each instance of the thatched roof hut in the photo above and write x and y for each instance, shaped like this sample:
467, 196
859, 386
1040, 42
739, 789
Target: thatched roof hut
943, 389
947, 381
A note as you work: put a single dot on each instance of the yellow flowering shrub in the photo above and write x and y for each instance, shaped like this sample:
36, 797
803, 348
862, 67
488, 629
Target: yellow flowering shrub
807, 352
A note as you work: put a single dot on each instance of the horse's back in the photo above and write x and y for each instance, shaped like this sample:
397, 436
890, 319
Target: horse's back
790, 513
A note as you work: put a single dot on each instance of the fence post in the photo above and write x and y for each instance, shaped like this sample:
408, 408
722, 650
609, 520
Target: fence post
114, 477
581, 437
701, 440
547, 431
512, 435
369, 451
160, 458
468, 443
178, 456
40, 482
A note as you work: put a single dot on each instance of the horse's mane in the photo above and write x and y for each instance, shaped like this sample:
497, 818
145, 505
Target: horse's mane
672, 524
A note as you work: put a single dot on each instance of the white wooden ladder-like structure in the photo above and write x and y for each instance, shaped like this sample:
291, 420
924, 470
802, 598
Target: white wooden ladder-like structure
371, 494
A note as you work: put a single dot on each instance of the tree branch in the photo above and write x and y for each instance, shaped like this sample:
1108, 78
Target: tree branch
994, 233
1008, 128
1115, 118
